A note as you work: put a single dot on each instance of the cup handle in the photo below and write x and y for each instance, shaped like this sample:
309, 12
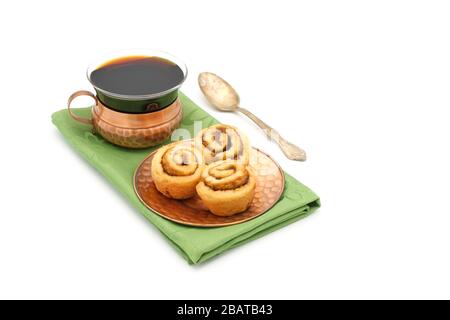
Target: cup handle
73, 97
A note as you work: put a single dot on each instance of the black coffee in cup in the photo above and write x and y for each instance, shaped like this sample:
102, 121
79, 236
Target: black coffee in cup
138, 83
137, 75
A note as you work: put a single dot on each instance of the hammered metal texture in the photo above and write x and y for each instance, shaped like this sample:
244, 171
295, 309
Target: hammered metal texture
269, 188
137, 138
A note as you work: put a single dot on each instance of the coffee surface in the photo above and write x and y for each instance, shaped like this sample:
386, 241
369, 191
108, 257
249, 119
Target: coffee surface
137, 75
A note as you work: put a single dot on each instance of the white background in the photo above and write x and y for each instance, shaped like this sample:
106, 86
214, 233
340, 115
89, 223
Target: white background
363, 86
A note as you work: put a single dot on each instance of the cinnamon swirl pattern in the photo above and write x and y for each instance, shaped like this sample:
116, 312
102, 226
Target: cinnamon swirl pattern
227, 187
223, 142
177, 169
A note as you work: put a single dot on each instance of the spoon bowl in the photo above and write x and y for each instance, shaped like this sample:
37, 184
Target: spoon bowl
218, 92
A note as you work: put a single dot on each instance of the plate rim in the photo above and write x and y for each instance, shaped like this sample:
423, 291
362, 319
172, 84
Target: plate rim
207, 225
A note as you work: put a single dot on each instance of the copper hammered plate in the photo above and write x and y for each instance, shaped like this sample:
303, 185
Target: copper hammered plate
192, 212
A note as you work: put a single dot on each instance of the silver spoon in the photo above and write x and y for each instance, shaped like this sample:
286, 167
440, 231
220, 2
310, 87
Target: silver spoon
222, 96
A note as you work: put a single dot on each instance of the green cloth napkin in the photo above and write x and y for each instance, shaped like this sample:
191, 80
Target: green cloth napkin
195, 244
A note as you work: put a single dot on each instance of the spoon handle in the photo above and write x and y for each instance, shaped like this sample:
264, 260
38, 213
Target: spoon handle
290, 150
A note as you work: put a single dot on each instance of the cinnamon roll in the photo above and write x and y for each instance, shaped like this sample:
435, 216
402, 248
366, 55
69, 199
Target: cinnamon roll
223, 142
177, 169
227, 187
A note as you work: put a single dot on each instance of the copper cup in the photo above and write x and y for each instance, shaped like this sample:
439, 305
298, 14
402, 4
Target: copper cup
130, 130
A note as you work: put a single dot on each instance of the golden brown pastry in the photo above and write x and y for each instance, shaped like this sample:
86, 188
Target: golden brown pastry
177, 169
227, 187
223, 142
